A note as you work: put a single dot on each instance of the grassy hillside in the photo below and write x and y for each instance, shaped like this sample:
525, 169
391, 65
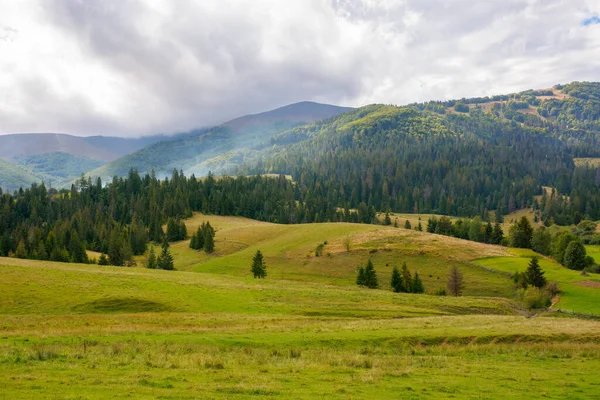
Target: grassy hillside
290, 253
95, 332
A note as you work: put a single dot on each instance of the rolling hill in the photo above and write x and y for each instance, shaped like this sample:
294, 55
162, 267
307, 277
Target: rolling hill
193, 151
210, 330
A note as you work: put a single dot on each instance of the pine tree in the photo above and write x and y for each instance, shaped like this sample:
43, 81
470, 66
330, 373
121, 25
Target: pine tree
200, 234
396, 281
116, 254
151, 260
103, 260
420, 227
387, 220
417, 285
21, 250
534, 274
172, 230
165, 259
455, 282
497, 234
182, 231
360, 277
371, 280
259, 266
406, 278
194, 242
209, 241
407, 225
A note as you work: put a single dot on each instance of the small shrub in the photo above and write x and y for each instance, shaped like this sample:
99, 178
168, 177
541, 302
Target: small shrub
553, 289
295, 353
440, 292
534, 299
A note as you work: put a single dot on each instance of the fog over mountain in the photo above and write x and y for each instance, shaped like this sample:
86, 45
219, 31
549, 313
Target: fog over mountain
132, 68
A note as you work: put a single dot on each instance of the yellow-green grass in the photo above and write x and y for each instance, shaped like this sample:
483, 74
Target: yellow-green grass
574, 297
84, 331
594, 252
290, 253
592, 162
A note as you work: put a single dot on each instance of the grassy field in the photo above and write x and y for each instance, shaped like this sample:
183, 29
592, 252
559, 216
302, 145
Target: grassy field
574, 297
209, 330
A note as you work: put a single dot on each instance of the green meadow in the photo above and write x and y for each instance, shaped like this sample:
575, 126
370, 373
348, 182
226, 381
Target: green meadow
209, 330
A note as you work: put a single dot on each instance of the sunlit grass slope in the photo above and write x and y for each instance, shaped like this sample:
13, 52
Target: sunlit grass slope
80, 331
209, 330
574, 297
290, 253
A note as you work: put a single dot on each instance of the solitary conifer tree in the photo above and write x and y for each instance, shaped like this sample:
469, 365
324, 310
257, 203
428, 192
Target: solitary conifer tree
259, 266
165, 259
534, 274
371, 280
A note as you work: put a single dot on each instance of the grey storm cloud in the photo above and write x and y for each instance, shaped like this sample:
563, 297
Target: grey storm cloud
134, 67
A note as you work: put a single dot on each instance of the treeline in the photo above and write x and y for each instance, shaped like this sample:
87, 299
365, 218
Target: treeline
119, 219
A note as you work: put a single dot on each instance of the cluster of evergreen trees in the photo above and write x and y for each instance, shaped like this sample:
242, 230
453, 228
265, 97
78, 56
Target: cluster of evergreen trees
163, 261
204, 238
563, 246
474, 230
403, 282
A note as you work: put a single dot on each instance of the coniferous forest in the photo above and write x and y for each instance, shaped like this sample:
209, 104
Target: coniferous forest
463, 158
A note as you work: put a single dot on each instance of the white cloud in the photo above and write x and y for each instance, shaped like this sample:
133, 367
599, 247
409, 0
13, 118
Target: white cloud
134, 67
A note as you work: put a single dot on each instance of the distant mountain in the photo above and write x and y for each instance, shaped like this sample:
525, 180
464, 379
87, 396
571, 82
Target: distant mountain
101, 148
194, 152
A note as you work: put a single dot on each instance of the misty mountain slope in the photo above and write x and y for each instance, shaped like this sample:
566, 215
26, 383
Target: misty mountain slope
56, 166
13, 177
102, 148
190, 151
433, 157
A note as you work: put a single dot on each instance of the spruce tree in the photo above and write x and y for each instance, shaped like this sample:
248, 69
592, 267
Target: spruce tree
172, 230
396, 281
259, 267
209, 241
407, 225
371, 280
360, 277
103, 260
406, 278
151, 260
417, 285
534, 274
165, 259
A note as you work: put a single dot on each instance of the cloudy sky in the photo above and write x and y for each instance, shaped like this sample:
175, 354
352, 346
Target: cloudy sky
132, 67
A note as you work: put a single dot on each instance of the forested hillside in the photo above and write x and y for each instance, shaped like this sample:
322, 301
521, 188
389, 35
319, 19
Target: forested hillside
460, 158
201, 150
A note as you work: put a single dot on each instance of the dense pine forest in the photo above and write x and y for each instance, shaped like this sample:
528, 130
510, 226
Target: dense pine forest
461, 158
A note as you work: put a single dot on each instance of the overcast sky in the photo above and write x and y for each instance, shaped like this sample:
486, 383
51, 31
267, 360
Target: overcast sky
132, 67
